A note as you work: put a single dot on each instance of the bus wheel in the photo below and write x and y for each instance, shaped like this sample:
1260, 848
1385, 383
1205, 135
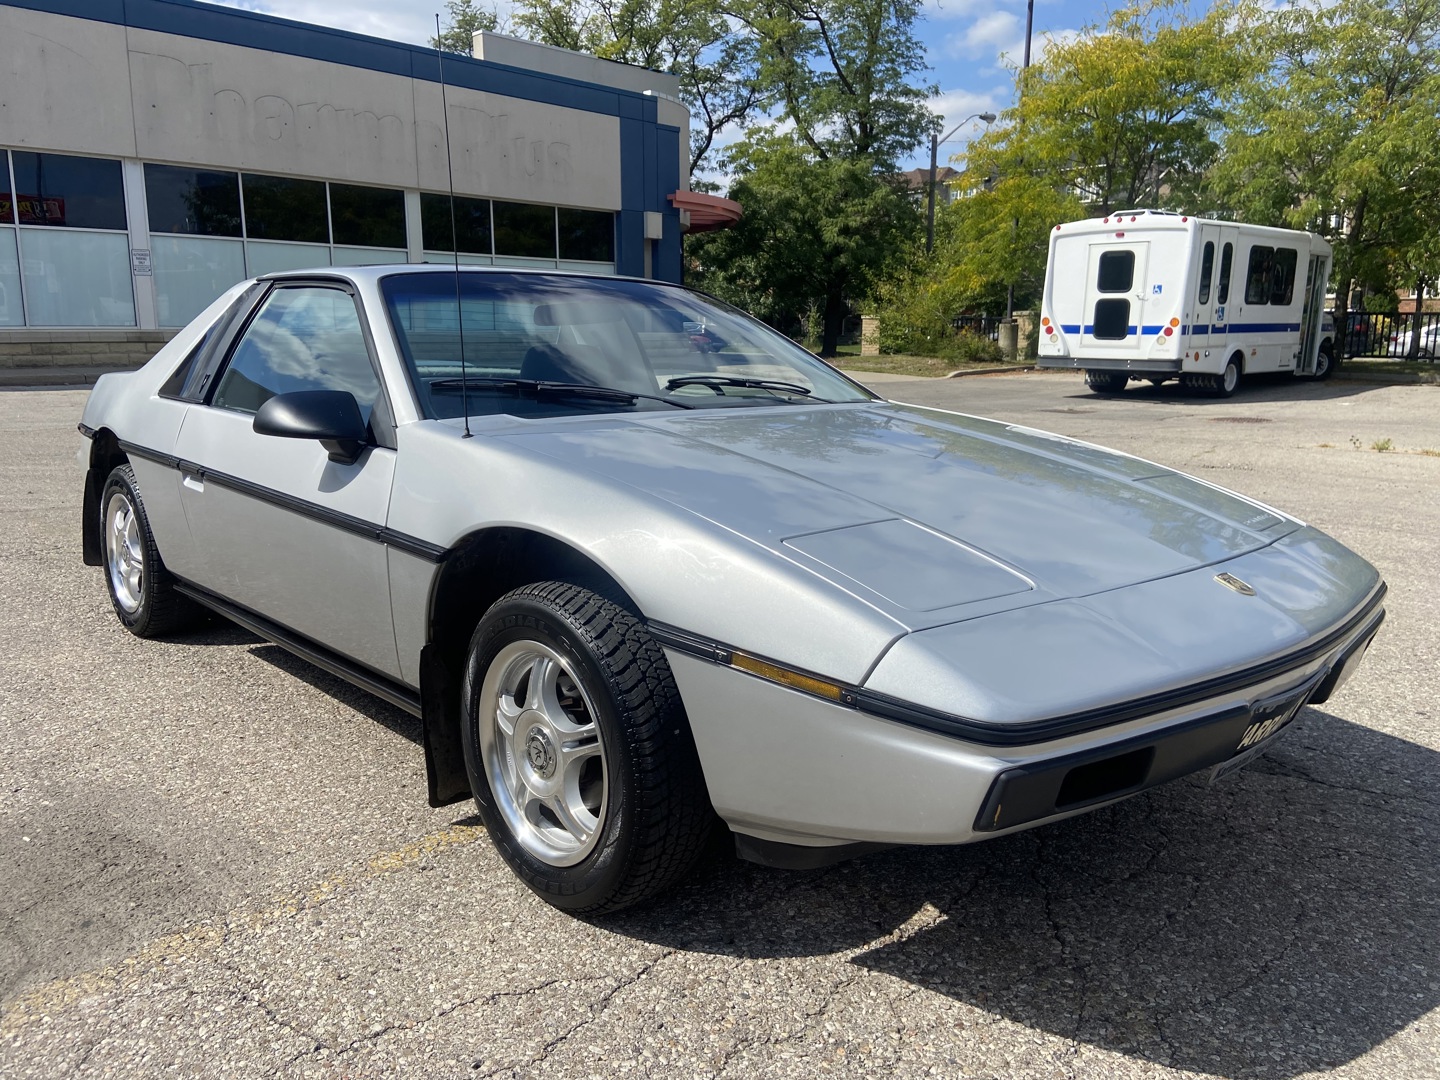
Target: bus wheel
1229, 379
1106, 382
1324, 362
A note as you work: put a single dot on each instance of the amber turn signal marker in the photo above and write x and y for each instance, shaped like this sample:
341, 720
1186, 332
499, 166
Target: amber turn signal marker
785, 677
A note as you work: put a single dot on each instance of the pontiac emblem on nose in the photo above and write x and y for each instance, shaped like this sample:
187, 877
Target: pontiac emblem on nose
1230, 581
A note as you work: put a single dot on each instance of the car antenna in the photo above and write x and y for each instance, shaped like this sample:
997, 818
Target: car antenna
454, 241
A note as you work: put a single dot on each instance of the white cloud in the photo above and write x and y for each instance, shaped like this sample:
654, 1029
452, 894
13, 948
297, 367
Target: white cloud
410, 21
986, 35
942, 10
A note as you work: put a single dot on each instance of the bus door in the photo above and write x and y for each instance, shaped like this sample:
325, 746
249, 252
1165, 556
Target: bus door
1316, 277
1115, 292
1203, 298
1228, 289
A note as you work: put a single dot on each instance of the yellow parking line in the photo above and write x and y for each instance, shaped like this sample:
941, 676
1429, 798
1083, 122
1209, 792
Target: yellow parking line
206, 937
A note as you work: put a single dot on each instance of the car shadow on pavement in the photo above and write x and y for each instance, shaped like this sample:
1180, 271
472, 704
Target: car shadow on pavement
366, 704
1255, 389
1283, 921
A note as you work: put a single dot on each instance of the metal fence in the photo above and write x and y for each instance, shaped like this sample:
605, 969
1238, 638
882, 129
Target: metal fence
983, 325
1389, 335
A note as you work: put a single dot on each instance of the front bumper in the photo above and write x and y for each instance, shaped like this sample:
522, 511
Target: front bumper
790, 768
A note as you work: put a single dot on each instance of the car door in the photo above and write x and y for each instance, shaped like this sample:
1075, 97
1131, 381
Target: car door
1115, 279
281, 529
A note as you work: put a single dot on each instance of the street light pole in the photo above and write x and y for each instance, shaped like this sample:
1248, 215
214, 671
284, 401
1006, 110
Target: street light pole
935, 141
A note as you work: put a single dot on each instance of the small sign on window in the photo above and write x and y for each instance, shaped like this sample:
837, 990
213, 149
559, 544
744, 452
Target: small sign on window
140, 262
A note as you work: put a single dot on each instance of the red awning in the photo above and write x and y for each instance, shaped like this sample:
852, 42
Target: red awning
706, 211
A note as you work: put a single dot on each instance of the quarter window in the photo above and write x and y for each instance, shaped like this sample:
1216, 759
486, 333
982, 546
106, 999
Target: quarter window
304, 338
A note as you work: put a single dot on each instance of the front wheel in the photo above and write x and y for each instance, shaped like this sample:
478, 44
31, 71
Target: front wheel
1229, 379
141, 590
1324, 362
579, 752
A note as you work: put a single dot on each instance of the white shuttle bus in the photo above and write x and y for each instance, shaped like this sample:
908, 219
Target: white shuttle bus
1156, 295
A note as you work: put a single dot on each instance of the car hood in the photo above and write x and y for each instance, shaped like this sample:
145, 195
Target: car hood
919, 510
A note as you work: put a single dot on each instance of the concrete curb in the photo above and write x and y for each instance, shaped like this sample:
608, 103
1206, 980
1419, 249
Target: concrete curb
990, 370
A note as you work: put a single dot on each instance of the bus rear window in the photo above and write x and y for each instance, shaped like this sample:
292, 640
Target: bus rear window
1112, 320
1116, 272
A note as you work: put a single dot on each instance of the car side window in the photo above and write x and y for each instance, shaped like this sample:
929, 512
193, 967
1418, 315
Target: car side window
304, 337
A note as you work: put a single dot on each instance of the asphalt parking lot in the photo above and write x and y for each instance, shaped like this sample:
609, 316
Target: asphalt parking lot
216, 860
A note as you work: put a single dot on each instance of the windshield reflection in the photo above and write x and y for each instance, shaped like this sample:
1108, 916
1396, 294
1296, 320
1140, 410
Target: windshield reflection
660, 344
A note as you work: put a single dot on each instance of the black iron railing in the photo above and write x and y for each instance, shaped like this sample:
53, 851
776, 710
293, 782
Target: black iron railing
1389, 335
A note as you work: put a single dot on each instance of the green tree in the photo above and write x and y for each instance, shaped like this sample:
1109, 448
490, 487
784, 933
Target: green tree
843, 73
1340, 132
691, 39
467, 19
818, 234
1123, 116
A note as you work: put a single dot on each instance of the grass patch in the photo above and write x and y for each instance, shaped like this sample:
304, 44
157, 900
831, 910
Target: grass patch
904, 364
1382, 445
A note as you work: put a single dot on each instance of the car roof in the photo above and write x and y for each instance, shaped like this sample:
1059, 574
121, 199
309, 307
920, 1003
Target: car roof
370, 274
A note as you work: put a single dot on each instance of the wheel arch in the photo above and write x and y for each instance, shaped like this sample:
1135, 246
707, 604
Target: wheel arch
1239, 357
105, 456
475, 572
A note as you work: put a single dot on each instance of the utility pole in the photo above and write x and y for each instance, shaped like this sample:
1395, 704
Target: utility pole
935, 142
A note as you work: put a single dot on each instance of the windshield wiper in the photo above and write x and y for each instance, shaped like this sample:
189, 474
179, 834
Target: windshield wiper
540, 387
715, 382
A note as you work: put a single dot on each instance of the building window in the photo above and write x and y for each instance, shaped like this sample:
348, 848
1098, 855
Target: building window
586, 235
69, 192
472, 224
524, 230
12, 308
197, 202
71, 242
367, 217
279, 208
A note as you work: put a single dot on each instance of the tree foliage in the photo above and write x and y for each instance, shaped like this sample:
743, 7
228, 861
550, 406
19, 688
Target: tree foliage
467, 18
843, 73
1340, 132
818, 234
692, 39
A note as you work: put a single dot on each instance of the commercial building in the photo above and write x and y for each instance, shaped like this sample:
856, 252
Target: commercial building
153, 152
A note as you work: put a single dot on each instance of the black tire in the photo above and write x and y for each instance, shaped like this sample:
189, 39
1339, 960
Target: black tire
142, 591
646, 796
1325, 363
1106, 382
1228, 381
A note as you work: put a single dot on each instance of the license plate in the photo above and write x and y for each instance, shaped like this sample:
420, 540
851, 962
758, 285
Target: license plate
1267, 723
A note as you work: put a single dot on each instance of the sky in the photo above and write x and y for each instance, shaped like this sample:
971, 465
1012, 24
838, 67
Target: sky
968, 43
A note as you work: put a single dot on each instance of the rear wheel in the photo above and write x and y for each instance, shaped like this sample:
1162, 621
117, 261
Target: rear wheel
579, 753
141, 589
1106, 382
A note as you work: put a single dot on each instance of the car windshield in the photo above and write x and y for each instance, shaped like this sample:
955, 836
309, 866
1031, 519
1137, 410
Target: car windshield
541, 345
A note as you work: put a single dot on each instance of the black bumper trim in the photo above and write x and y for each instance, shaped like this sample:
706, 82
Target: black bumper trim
1044, 789
1039, 731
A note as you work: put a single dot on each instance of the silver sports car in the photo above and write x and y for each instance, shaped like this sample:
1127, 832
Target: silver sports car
645, 569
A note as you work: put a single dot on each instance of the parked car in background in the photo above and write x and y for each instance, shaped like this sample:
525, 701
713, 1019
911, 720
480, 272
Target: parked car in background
1403, 339
640, 581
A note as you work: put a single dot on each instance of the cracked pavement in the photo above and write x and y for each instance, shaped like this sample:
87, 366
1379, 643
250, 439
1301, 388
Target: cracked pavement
216, 860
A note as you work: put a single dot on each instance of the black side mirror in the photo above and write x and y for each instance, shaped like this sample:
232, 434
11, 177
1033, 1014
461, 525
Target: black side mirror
331, 416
